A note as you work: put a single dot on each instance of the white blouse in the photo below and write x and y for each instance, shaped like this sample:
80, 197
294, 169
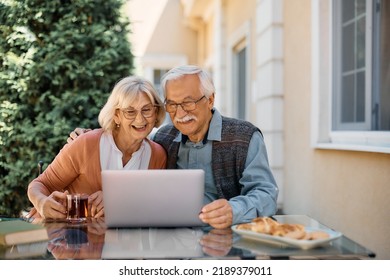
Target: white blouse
111, 156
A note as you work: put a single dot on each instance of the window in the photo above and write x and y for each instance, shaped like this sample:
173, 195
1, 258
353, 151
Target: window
361, 76
157, 75
241, 82
351, 75
240, 78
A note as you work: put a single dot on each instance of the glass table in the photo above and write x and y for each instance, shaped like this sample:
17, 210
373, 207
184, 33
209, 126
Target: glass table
92, 240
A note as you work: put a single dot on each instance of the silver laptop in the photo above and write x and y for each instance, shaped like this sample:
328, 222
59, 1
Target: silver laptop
153, 198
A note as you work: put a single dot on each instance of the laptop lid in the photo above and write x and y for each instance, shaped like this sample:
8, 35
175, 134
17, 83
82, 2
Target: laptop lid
153, 198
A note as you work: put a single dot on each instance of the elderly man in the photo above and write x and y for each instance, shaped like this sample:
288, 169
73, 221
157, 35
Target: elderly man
239, 183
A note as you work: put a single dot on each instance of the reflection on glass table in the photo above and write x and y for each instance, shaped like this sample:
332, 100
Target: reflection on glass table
76, 240
92, 240
166, 243
152, 243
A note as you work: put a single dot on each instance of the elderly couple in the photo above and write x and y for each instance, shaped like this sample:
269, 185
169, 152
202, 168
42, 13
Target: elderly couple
239, 184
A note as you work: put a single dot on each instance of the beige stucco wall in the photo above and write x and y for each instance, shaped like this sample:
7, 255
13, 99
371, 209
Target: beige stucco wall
208, 39
348, 191
238, 15
160, 31
171, 36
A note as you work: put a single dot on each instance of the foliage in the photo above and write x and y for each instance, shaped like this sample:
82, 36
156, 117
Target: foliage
58, 62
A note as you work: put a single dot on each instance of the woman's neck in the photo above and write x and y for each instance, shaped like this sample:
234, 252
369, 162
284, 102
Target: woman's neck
126, 146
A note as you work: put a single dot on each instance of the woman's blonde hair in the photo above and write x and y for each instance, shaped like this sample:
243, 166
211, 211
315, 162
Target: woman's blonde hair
123, 94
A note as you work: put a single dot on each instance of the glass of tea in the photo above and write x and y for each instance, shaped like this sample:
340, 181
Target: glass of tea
77, 207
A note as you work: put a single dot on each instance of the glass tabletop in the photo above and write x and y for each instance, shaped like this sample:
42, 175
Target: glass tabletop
340, 248
92, 240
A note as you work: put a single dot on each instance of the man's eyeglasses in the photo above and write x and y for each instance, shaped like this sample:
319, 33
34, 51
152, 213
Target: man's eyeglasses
146, 111
187, 106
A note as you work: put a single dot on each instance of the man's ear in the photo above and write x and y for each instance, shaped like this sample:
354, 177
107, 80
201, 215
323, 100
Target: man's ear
211, 101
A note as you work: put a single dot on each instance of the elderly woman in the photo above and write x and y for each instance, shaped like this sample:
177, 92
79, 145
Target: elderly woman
132, 110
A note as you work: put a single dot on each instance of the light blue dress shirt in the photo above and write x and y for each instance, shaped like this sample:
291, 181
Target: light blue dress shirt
259, 193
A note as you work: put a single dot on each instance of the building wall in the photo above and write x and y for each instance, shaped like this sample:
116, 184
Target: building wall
237, 14
346, 190
159, 37
181, 39
268, 87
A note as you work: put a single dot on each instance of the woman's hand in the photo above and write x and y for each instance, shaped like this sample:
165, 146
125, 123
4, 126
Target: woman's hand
97, 227
53, 206
95, 202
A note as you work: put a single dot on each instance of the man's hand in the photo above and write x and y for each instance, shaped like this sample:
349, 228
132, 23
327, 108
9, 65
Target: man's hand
218, 214
217, 242
76, 133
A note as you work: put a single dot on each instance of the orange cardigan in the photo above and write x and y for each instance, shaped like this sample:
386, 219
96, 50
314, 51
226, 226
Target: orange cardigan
77, 168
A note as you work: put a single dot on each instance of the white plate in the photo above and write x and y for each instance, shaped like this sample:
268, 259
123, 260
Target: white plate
289, 242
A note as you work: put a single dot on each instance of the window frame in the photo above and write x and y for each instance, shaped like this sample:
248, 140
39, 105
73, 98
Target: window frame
337, 124
323, 136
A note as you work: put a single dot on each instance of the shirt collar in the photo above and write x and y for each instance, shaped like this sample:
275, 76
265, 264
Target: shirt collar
212, 134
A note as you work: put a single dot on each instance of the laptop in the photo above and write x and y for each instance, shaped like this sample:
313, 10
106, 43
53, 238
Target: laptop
153, 198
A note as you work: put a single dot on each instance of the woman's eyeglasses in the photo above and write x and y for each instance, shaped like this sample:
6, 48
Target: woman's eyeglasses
187, 106
147, 111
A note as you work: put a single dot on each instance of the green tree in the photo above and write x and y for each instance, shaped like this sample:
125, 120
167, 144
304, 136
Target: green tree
58, 63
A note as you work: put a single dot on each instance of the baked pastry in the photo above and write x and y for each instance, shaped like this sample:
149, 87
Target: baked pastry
247, 226
296, 231
317, 235
264, 225
269, 226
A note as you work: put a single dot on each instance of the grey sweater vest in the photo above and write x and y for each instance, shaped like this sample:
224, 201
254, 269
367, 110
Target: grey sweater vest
228, 155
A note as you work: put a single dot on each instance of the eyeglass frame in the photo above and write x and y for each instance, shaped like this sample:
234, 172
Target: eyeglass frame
124, 111
181, 105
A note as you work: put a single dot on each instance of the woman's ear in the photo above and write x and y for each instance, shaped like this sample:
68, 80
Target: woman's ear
117, 118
